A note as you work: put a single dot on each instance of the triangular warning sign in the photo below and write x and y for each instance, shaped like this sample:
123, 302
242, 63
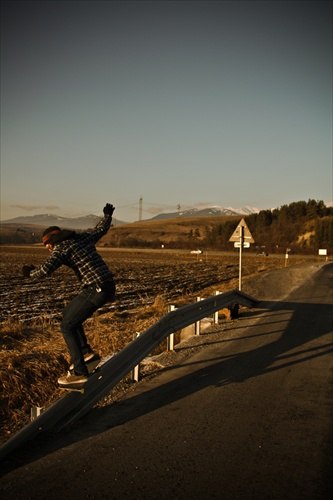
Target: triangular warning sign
236, 236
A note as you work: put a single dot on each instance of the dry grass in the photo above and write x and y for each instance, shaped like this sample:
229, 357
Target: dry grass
166, 230
30, 357
33, 357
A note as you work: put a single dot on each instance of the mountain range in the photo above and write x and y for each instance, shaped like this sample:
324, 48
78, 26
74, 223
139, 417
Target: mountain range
89, 221
205, 212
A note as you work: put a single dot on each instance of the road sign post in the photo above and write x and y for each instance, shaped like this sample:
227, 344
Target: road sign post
242, 239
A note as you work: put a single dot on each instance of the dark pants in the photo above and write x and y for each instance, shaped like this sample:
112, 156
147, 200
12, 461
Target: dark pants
75, 313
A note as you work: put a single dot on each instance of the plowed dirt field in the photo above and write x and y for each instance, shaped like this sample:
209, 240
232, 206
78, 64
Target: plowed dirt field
140, 277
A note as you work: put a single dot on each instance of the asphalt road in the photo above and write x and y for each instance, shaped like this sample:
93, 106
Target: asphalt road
247, 417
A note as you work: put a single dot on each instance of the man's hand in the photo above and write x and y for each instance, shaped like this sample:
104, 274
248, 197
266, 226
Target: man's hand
108, 209
26, 270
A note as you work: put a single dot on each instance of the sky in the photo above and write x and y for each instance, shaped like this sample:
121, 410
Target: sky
180, 103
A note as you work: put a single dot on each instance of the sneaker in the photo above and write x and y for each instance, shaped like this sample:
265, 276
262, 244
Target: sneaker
89, 357
72, 380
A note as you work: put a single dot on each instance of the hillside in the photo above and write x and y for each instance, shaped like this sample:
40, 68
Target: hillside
175, 232
301, 227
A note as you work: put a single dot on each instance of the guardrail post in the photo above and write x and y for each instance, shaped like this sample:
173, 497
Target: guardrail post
35, 412
197, 323
136, 369
216, 313
171, 337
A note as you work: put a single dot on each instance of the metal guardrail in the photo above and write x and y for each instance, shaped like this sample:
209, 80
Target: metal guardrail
73, 406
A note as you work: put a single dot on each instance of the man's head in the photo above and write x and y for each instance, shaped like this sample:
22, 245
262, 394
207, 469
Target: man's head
48, 233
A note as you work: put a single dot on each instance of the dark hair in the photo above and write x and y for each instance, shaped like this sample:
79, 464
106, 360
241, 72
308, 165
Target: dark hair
48, 233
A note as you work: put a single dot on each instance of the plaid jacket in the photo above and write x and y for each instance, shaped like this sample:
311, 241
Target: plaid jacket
79, 253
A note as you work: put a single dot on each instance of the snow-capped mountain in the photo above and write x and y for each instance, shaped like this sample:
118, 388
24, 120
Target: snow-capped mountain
247, 210
205, 212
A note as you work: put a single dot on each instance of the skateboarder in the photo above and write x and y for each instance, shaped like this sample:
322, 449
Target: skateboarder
77, 251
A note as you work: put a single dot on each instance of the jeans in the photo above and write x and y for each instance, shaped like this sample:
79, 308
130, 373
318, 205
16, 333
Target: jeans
75, 313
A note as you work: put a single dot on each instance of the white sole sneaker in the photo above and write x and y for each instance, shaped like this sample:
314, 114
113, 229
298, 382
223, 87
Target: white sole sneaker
72, 380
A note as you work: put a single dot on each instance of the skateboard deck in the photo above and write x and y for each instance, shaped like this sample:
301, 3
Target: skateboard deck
73, 389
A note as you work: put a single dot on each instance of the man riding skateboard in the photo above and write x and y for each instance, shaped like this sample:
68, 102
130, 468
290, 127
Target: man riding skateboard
78, 251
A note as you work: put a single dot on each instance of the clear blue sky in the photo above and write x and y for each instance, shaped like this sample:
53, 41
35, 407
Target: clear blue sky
190, 103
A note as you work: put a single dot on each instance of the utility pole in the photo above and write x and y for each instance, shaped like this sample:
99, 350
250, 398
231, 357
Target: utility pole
140, 208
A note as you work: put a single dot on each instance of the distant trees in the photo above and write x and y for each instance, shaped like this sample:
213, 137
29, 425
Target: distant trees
284, 227
194, 235
19, 236
217, 236
323, 233
276, 230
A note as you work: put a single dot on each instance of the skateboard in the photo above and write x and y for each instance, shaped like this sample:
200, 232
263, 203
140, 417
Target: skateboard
92, 367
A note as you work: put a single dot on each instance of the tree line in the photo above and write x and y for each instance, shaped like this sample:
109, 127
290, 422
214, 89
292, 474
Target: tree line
301, 227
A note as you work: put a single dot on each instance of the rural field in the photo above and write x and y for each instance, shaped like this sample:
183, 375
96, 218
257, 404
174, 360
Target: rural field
33, 353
